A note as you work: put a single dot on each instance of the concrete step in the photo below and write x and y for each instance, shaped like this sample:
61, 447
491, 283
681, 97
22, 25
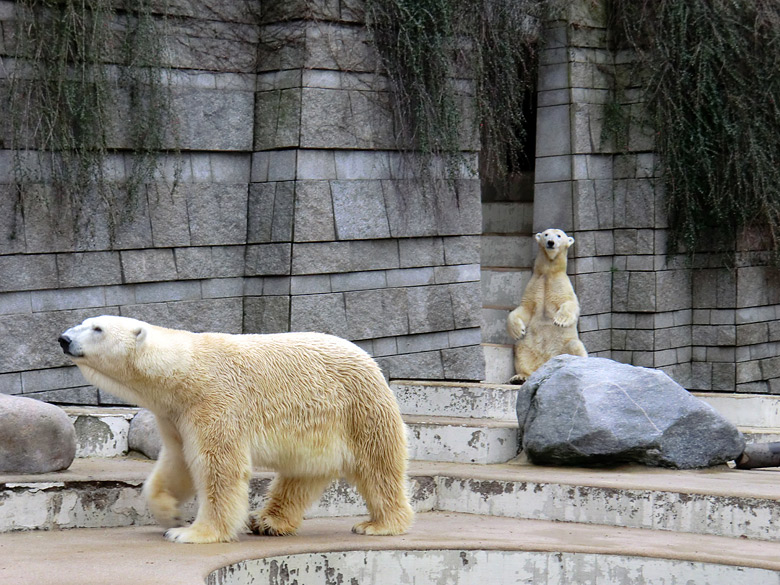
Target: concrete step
499, 362
459, 549
103, 432
503, 287
454, 399
719, 502
508, 217
745, 410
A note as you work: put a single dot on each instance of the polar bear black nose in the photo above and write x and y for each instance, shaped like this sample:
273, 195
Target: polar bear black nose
64, 343
550, 244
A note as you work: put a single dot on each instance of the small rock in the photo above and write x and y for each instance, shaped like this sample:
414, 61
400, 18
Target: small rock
35, 437
144, 436
586, 411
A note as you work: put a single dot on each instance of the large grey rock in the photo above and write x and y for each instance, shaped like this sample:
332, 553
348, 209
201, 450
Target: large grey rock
584, 411
35, 437
143, 435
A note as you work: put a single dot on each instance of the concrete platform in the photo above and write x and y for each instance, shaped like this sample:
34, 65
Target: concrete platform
140, 555
720, 501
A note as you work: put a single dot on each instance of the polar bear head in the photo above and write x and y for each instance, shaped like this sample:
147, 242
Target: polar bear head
106, 343
553, 242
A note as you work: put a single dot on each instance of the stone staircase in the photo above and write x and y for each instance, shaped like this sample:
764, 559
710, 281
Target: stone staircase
507, 257
465, 472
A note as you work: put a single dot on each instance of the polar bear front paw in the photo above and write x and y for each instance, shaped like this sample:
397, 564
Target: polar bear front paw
269, 525
565, 317
375, 529
516, 327
194, 535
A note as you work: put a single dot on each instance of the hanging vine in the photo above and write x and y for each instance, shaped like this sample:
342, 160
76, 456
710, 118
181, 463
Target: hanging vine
713, 95
77, 64
427, 46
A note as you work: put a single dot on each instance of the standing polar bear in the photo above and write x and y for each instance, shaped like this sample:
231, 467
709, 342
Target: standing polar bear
545, 323
311, 406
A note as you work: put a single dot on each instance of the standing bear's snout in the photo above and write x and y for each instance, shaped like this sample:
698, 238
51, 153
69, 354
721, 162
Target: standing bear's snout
550, 244
65, 343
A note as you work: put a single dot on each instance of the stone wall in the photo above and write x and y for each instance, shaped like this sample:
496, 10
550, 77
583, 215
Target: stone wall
293, 210
709, 327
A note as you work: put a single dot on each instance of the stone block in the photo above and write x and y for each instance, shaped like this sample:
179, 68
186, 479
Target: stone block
673, 290
553, 168
553, 206
12, 233
359, 210
160, 292
641, 292
120, 295
553, 76
464, 363
461, 249
553, 127
337, 118
216, 288
270, 212
86, 395
217, 214
466, 301
748, 372
277, 119
268, 260
310, 284
360, 280
462, 273
593, 292
410, 366
410, 209
352, 165
28, 272
431, 309
314, 220
80, 269
758, 285
422, 342
328, 257
379, 313
268, 314
339, 47
11, 383
215, 120
148, 265
15, 302
282, 166
316, 165
209, 262
325, 313
405, 277
219, 315
60, 300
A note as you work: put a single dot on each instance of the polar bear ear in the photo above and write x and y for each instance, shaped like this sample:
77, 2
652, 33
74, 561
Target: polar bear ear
571, 241
539, 237
140, 334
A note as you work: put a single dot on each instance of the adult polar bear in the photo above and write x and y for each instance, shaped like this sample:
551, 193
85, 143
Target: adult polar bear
311, 406
545, 323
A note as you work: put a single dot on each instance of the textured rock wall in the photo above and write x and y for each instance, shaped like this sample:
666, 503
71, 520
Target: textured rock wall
293, 210
709, 328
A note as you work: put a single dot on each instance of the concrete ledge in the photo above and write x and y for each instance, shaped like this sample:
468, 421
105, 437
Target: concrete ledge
721, 502
127, 556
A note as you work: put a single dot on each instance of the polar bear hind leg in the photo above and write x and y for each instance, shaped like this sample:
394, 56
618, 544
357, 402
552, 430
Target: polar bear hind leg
288, 499
575, 347
383, 484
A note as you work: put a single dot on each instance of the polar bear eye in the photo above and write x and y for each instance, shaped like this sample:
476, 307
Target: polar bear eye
97, 329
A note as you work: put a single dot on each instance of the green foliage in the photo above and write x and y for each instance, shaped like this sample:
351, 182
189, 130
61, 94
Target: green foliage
428, 47
75, 60
713, 93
